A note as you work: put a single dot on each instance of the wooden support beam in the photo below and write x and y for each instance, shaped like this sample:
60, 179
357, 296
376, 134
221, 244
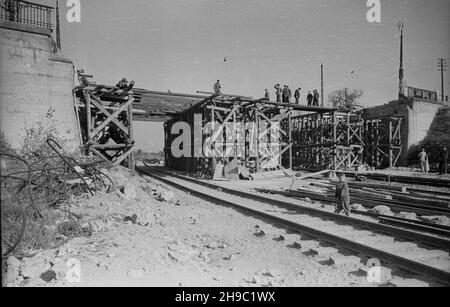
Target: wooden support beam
112, 117
97, 104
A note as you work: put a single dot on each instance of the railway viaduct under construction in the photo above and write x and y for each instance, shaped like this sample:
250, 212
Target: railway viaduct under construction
308, 138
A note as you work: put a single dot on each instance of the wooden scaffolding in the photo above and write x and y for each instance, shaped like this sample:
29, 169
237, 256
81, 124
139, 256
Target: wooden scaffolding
327, 141
279, 140
106, 123
383, 139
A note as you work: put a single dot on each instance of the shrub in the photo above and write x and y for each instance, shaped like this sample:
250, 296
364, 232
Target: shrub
36, 201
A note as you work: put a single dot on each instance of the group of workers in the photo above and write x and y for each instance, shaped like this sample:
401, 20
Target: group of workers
283, 95
425, 163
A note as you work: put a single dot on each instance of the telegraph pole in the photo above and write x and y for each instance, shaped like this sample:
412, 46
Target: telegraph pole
321, 82
401, 91
345, 96
442, 66
58, 31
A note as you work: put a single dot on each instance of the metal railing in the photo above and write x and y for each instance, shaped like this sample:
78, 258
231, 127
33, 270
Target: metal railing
27, 13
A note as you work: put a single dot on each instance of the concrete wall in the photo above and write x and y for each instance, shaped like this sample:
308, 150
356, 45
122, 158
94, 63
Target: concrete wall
32, 81
420, 117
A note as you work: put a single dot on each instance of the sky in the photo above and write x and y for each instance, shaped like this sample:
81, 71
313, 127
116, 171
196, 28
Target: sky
180, 45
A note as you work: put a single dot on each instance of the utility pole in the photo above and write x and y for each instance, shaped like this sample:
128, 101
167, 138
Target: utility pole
401, 92
321, 82
58, 31
442, 66
345, 96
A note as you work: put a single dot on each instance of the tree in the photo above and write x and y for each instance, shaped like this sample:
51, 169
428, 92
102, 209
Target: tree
345, 98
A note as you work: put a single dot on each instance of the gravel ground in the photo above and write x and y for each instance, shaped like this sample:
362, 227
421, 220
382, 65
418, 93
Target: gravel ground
184, 241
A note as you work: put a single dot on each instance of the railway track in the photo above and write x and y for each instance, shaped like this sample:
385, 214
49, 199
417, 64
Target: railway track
344, 241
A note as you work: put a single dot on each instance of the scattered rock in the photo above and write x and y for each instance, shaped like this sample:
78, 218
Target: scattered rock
260, 234
62, 252
440, 220
295, 245
100, 225
279, 239
272, 273
230, 257
382, 210
212, 245
60, 269
133, 219
48, 276
72, 251
407, 215
103, 264
204, 256
130, 191
31, 268
164, 195
256, 280
13, 269
358, 207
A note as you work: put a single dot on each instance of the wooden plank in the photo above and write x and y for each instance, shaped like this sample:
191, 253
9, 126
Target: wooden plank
123, 157
98, 104
318, 174
110, 119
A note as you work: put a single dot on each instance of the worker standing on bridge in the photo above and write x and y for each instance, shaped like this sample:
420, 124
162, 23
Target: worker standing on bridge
278, 92
218, 88
267, 95
342, 195
310, 98
287, 94
316, 98
297, 95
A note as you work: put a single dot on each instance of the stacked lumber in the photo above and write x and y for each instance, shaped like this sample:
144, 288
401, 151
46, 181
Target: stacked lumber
371, 195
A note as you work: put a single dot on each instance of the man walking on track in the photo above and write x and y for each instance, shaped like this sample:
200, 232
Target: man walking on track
342, 195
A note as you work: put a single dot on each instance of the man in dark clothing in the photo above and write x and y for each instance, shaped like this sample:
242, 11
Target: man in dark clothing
217, 88
316, 98
278, 92
310, 98
287, 94
297, 95
342, 195
443, 161
267, 95
122, 84
285, 91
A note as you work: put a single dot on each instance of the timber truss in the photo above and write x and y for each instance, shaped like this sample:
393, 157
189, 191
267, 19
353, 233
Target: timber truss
106, 123
383, 141
327, 141
279, 139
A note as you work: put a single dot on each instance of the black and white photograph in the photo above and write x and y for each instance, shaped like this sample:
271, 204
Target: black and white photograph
225, 150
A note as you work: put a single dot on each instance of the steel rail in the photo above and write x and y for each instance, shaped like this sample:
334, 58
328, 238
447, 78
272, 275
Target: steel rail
407, 264
403, 233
